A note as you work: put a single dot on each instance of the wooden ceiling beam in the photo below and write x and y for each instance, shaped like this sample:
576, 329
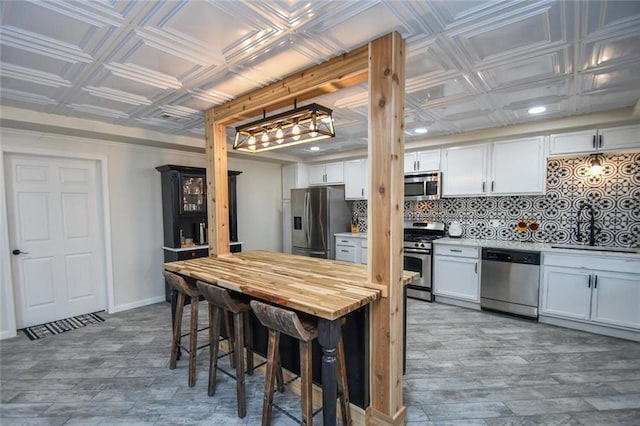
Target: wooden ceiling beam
337, 73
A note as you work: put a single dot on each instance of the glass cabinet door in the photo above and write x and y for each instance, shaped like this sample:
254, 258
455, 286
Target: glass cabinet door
193, 195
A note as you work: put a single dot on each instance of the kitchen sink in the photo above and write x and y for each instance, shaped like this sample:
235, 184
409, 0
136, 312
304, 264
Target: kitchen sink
596, 248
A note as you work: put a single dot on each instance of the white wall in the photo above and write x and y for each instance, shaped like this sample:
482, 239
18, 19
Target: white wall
259, 204
136, 211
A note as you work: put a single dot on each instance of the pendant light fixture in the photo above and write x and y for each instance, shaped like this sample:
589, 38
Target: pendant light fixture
305, 124
596, 167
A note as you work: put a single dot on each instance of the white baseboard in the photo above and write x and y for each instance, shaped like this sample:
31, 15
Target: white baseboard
8, 334
591, 328
138, 304
456, 302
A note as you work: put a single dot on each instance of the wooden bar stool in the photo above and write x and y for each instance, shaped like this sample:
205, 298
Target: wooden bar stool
184, 289
221, 301
279, 320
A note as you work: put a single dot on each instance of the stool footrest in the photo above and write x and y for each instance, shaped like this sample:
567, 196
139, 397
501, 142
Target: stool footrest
186, 349
199, 330
290, 381
291, 416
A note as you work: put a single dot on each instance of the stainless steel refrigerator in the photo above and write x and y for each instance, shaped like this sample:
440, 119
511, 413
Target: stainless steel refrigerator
317, 214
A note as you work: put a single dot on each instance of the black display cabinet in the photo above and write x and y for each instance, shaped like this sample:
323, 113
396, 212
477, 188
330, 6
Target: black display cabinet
184, 213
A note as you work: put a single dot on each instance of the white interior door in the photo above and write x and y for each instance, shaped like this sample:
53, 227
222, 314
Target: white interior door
55, 225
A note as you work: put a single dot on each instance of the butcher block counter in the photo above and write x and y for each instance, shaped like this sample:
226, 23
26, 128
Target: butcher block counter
326, 289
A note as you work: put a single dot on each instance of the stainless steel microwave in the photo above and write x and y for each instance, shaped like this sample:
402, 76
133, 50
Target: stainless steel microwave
422, 186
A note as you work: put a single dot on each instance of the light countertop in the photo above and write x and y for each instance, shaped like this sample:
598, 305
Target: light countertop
543, 247
350, 235
517, 245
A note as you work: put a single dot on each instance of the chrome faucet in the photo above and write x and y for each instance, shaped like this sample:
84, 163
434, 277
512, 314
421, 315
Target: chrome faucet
592, 226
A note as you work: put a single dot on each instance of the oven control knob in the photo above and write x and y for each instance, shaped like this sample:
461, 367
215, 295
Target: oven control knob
422, 245
416, 245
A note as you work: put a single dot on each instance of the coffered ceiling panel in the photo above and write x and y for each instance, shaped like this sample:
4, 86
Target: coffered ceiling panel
610, 15
472, 64
543, 67
611, 79
518, 34
620, 48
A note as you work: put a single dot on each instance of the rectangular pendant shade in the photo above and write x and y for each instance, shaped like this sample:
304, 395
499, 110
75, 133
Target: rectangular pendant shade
301, 125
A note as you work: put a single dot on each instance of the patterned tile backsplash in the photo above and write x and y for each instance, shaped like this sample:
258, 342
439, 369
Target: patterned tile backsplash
614, 195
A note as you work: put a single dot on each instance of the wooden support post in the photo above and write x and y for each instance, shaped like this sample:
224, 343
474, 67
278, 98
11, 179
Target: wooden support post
386, 212
217, 185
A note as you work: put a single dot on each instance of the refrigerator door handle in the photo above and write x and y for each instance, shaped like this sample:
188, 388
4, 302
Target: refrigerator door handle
306, 219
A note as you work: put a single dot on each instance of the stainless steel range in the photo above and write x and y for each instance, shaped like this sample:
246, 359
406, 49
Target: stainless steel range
417, 255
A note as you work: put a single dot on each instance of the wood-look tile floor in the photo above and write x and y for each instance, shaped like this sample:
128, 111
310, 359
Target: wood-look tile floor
463, 368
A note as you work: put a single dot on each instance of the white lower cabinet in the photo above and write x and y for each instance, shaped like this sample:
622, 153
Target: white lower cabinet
565, 292
364, 251
616, 299
351, 248
454, 274
593, 290
347, 249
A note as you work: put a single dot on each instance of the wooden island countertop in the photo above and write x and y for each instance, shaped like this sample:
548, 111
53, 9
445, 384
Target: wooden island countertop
324, 288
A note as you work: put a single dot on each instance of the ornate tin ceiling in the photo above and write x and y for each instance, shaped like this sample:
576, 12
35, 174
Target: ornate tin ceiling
471, 64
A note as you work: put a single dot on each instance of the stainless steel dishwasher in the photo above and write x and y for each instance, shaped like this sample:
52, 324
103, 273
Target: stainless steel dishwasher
510, 280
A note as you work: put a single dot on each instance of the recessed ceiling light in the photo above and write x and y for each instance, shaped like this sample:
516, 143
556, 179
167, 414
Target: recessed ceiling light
537, 110
314, 148
420, 131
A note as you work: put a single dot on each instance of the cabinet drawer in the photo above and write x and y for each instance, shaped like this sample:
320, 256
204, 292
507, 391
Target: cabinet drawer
192, 254
346, 253
592, 262
350, 242
458, 251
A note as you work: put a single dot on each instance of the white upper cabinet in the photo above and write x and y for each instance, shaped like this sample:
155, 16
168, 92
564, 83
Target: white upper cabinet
508, 167
464, 170
326, 174
293, 176
356, 183
619, 138
595, 140
422, 161
517, 167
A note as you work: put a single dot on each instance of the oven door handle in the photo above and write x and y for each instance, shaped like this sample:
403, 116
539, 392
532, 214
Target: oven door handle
409, 250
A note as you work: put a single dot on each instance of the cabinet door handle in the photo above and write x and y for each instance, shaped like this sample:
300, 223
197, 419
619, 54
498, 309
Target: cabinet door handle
456, 250
593, 143
345, 251
363, 192
476, 268
589, 283
595, 281
492, 184
482, 186
600, 141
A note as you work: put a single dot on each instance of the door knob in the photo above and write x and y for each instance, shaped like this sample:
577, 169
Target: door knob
17, 252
